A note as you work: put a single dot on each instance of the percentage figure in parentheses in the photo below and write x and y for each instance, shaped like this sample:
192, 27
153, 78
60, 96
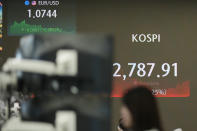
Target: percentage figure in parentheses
124, 77
158, 76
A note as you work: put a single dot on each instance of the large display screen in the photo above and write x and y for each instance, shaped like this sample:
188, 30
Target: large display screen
36, 16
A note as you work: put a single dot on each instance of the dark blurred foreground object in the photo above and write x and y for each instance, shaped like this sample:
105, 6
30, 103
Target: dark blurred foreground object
63, 72
142, 106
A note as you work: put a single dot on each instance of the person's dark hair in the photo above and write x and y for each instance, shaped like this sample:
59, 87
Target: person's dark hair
143, 107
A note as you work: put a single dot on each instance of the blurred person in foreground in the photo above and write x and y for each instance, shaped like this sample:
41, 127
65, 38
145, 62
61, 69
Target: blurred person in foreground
139, 111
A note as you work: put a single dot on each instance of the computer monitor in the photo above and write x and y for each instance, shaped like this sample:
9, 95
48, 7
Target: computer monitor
92, 82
